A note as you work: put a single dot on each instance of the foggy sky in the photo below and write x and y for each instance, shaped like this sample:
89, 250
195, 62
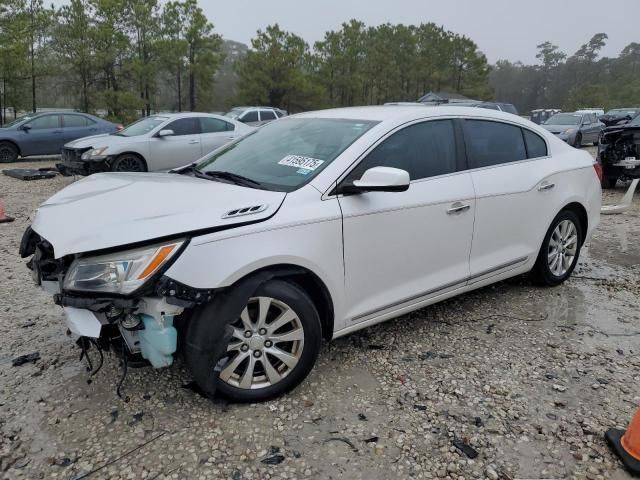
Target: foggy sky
503, 29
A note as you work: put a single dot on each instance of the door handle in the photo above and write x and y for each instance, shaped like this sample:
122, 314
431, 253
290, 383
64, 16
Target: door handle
194, 142
56, 132
458, 207
546, 186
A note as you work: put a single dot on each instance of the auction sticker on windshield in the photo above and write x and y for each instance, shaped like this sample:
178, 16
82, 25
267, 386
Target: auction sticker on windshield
301, 162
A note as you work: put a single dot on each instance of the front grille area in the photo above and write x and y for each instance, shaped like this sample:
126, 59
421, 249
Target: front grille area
73, 154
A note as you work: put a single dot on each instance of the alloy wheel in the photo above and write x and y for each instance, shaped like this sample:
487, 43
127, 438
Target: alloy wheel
129, 164
563, 247
266, 344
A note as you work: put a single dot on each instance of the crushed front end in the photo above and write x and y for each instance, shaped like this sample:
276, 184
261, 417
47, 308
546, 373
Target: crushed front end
118, 300
619, 152
82, 161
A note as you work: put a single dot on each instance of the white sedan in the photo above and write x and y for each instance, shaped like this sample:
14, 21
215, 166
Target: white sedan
156, 143
311, 227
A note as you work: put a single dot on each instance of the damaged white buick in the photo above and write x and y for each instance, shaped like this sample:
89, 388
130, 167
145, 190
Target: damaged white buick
310, 228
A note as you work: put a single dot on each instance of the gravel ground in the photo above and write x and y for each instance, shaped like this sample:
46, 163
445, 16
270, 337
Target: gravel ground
530, 378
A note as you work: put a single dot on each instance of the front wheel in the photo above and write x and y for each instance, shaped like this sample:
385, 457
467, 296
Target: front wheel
274, 344
8, 152
560, 250
129, 162
577, 143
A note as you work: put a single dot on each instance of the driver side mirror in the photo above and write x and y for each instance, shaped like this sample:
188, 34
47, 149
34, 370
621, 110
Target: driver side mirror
379, 179
26, 128
165, 133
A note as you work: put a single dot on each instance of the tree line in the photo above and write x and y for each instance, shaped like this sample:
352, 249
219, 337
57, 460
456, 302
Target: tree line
583, 79
127, 58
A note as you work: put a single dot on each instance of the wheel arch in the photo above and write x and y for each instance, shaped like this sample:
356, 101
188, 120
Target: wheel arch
581, 212
306, 279
14, 143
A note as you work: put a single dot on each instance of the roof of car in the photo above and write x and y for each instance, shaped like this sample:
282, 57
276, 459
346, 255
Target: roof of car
184, 114
408, 113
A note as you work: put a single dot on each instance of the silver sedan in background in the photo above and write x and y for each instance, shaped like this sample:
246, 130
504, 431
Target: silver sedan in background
575, 128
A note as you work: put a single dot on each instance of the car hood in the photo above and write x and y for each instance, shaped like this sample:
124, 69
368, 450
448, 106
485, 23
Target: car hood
109, 210
559, 128
106, 139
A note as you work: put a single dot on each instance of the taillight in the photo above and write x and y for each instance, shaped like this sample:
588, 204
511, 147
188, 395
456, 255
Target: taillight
598, 168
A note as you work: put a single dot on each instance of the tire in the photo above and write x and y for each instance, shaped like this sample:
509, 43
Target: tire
577, 143
609, 182
546, 271
283, 301
8, 152
129, 162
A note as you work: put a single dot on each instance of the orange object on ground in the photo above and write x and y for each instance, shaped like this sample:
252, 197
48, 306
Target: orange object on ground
627, 444
3, 215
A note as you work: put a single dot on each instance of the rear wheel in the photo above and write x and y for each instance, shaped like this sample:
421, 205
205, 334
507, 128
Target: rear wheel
560, 250
274, 345
8, 152
129, 162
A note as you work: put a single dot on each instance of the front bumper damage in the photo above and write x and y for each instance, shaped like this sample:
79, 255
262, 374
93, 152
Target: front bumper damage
619, 152
73, 164
143, 328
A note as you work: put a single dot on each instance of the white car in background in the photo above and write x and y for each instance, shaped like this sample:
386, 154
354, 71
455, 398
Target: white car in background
156, 143
311, 227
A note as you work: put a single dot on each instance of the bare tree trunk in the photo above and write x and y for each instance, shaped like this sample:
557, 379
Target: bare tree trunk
192, 82
179, 88
33, 69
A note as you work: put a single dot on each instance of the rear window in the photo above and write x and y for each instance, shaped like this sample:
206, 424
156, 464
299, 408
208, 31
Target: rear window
493, 143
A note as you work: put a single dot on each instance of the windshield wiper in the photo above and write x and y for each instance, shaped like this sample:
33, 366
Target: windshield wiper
192, 169
233, 177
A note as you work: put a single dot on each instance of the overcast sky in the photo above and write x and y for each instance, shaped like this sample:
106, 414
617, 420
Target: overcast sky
503, 29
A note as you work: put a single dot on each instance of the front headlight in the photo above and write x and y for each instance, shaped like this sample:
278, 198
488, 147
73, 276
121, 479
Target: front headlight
569, 131
94, 153
122, 272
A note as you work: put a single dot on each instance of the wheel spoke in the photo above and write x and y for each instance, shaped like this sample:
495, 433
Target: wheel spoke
284, 318
286, 358
272, 373
247, 377
226, 373
263, 308
232, 347
246, 320
292, 336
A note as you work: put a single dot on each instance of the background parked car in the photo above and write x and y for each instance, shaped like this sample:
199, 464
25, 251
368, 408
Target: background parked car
46, 133
541, 115
156, 143
619, 116
255, 116
575, 128
597, 111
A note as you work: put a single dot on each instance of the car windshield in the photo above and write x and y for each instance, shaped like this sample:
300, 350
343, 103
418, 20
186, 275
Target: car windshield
19, 120
141, 127
564, 119
636, 121
284, 155
235, 113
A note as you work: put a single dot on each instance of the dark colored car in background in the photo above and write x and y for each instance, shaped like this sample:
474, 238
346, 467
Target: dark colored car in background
619, 116
619, 152
46, 133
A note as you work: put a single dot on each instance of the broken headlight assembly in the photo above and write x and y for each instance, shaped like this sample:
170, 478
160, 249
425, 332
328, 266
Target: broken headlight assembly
121, 272
94, 153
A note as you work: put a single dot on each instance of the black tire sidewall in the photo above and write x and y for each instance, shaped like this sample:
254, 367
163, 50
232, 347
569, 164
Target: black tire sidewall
12, 148
299, 301
577, 143
117, 161
542, 272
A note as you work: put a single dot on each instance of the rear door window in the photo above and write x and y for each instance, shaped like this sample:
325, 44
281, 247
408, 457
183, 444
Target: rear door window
71, 121
267, 115
215, 125
493, 143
